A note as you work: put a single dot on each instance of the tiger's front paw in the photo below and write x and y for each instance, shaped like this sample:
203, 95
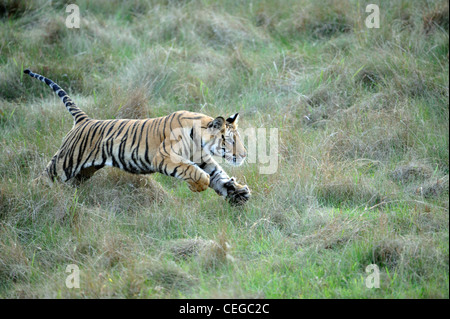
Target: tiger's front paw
201, 184
237, 194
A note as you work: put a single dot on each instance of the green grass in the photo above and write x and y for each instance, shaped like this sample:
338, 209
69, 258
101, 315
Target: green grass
362, 116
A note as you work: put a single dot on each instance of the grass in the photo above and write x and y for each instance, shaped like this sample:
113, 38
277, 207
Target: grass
362, 117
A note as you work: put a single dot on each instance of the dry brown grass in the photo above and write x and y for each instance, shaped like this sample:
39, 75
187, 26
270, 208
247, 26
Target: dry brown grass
115, 249
132, 104
14, 263
54, 30
142, 187
331, 18
437, 18
406, 254
342, 184
388, 252
434, 187
377, 136
334, 233
222, 29
209, 253
14, 8
411, 172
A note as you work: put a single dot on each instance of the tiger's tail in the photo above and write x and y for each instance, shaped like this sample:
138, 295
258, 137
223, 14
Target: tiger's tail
78, 115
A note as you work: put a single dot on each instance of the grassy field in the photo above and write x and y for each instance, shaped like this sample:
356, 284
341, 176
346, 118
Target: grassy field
362, 117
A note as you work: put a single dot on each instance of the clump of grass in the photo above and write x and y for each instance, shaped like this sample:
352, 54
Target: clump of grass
132, 105
11, 86
54, 30
138, 278
334, 234
225, 30
264, 20
139, 189
115, 249
377, 137
411, 172
326, 99
318, 20
339, 187
323, 104
434, 188
119, 177
347, 191
369, 78
4, 201
209, 253
408, 256
438, 17
150, 71
240, 62
14, 8
14, 263
170, 276
21, 159
388, 253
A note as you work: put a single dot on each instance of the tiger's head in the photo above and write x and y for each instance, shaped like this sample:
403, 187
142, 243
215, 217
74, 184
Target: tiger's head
224, 140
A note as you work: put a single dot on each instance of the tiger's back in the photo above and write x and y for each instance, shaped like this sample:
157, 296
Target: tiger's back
127, 144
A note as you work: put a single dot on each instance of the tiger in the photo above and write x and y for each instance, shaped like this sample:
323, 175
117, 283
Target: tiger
145, 146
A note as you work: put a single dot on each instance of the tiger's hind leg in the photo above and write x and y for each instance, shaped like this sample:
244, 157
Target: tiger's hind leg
85, 174
54, 171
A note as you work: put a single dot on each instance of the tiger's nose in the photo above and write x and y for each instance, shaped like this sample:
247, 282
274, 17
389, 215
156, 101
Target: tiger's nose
243, 154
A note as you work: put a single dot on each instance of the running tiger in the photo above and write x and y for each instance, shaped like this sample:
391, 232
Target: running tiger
146, 146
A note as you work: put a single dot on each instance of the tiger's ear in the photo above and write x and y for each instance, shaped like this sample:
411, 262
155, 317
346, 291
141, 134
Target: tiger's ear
216, 125
234, 119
